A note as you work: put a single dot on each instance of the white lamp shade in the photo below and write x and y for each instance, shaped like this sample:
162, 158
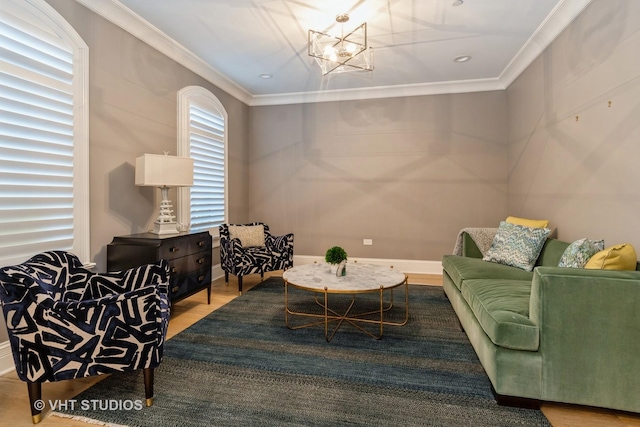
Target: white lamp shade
159, 170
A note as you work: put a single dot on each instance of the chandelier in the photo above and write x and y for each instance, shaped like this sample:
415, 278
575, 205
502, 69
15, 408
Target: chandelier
349, 52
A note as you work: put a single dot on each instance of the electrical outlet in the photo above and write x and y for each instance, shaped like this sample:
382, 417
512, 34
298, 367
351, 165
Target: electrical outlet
367, 242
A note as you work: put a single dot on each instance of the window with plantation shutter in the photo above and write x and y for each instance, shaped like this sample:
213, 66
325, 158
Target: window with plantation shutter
43, 137
203, 137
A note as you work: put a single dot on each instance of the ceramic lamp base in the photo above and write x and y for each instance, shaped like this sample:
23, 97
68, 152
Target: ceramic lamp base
165, 228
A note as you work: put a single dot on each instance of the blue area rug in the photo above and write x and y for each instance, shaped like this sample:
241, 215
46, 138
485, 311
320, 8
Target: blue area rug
240, 366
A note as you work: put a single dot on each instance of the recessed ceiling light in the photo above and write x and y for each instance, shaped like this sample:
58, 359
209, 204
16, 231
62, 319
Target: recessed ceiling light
265, 76
462, 58
457, 3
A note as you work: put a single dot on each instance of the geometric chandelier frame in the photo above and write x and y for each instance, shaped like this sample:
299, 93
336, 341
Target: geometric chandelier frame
350, 52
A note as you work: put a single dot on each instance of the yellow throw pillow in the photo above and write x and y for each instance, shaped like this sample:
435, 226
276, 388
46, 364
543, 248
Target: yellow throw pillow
535, 223
618, 257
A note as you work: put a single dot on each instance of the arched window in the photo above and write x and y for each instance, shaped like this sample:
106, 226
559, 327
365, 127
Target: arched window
44, 163
202, 136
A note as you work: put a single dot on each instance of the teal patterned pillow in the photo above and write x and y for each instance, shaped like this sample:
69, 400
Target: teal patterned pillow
578, 253
517, 245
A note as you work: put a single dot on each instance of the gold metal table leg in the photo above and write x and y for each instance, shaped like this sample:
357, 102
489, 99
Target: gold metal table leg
330, 315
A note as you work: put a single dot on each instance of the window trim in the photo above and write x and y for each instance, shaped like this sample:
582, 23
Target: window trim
41, 10
199, 95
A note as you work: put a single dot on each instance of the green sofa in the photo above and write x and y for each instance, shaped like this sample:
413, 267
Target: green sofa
554, 334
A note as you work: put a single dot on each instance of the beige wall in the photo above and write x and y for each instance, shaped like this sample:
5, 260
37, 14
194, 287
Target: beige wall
582, 175
405, 172
133, 110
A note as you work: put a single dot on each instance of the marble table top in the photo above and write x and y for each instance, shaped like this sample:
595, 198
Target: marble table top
359, 277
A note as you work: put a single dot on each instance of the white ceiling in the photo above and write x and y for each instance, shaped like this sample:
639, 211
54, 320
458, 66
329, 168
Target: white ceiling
233, 42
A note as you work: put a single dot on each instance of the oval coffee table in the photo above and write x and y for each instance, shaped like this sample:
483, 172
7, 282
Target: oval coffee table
359, 279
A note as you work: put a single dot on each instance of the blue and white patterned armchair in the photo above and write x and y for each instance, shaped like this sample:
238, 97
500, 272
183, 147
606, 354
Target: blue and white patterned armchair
66, 322
251, 249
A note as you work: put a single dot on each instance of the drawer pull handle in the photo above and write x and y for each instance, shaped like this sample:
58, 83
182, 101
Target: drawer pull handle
200, 278
175, 289
174, 249
201, 243
201, 261
174, 270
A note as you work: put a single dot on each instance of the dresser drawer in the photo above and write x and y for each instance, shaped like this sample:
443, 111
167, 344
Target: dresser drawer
176, 248
190, 263
186, 284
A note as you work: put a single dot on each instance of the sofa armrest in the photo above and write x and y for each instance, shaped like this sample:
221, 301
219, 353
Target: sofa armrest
589, 322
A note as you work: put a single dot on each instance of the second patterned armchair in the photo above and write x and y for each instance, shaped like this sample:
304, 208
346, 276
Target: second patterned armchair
251, 249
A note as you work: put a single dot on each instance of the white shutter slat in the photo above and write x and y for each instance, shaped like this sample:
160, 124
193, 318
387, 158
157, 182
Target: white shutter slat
36, 94
15, 71
24, 251
21, 231
23, 21
202, 115
207, 148
23, 213
204, 139
17, 57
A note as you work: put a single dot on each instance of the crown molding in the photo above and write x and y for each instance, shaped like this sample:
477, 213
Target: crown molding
562, 15
460, 86
125, 18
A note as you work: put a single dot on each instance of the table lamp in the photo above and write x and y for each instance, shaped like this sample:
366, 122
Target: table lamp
164, 171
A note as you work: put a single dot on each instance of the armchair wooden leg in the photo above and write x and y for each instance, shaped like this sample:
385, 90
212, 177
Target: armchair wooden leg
148, 386
240, 284
35, 401
226, 278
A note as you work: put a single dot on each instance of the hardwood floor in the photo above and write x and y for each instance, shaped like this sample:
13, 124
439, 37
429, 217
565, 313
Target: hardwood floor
14, 403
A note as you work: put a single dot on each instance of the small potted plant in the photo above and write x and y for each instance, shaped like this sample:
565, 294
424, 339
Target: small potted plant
336, 257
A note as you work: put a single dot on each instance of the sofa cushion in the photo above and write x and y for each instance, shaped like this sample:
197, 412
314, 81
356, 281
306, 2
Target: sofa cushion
502, 309
517, 245
462, 268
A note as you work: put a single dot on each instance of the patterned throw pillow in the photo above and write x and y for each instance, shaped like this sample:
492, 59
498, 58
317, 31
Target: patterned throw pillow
517, 245
249, 235
578, 253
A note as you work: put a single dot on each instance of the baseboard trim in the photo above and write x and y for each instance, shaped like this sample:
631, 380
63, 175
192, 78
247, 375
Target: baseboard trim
216, 272
6, 358
404, 265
